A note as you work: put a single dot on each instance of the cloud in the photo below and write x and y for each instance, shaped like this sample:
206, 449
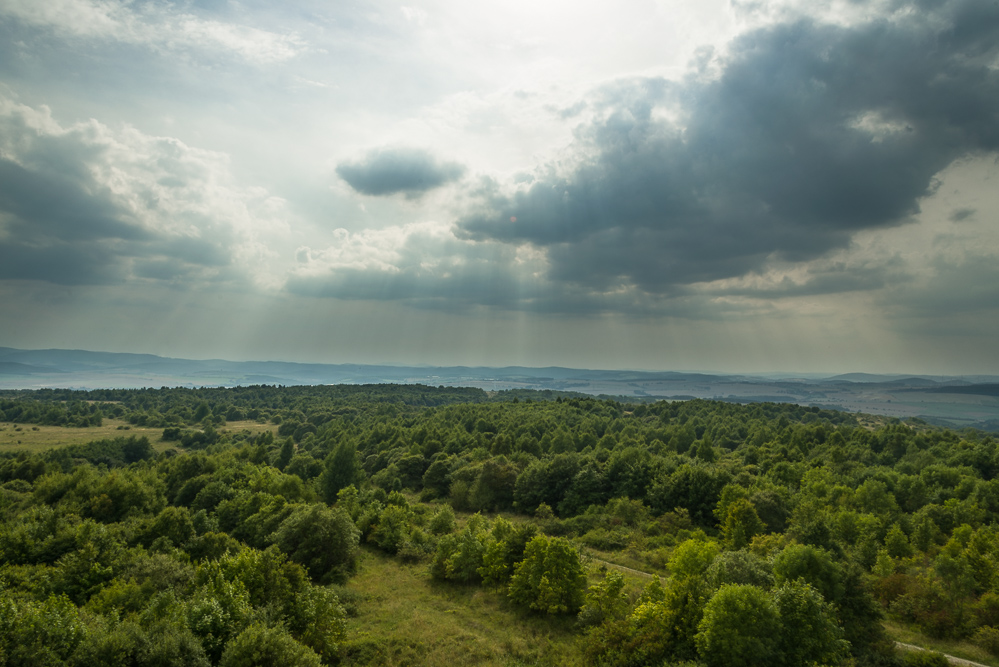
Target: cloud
951, 288
745, 184
86, 204
962, 214
153, 25
423, 264
388, 171
808, 134
427, 266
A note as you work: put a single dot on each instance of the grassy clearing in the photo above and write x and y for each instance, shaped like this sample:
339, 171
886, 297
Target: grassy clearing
34, 438
406, 618
959, 649
626, 559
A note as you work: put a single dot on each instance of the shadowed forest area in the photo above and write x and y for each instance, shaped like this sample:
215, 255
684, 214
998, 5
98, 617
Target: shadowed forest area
408, 525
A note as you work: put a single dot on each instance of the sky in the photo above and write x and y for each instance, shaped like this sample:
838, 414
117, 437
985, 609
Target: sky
714, 185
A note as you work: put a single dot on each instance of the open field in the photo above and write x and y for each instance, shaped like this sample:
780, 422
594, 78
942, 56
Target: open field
406, 618
34, 438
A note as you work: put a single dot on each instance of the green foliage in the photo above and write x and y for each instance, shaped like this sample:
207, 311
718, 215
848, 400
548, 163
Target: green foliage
810, 633
806, 505
662, 626
813, 565
319, 621
739, 567
459, 557
322, 539
392, 528
741, 524
39, 634
219, 610
442, 522
605, 600
692, 558
740, 628
262, 646
342, 470
550, 579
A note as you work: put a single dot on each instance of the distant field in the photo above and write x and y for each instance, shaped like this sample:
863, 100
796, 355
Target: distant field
406, 618
33, 438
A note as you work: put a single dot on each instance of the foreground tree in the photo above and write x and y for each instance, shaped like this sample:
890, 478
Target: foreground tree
322, 539
740, 628
550, 579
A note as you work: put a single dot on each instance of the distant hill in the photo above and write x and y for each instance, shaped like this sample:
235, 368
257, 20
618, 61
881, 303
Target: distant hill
15, 368
956, 401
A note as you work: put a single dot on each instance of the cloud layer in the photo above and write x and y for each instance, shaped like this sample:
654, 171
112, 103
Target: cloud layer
810, 168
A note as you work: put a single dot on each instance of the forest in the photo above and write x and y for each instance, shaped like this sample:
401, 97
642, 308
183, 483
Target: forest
694, 533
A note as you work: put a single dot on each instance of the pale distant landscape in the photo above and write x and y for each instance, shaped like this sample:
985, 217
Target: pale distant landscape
953, 401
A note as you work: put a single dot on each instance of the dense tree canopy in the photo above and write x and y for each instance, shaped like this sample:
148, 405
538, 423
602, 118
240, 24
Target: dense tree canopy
221, 539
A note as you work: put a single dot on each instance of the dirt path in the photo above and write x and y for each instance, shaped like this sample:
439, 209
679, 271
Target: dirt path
622, 567
951, 659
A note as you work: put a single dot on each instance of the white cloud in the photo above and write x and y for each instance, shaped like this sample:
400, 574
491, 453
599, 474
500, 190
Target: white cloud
154, 26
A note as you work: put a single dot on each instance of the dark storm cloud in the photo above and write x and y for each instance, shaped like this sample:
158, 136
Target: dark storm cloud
810, 134
52, 228
47, 205
81, 206
398, 170
59, 262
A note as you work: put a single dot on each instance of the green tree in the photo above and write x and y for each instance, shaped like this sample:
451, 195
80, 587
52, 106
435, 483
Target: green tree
810, 633
38, 634
342, 470
285, 455
263, 646
739, 567
691, 558
550, 579
896, 543
741, 523
665, 621
320, 622
740, 628
322, 539
812, 564
605, 600
442, 522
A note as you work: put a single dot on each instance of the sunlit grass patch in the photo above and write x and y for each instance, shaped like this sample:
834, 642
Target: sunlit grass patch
35, 438
406, 618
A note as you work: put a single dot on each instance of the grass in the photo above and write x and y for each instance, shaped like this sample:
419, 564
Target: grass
959, 649
34, 438
407, 618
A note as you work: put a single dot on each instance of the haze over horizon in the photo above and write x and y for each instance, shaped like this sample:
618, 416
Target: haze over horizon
739, 187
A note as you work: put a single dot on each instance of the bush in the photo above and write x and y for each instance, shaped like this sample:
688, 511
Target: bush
550, 579
987, 637
322, 539
260, 646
